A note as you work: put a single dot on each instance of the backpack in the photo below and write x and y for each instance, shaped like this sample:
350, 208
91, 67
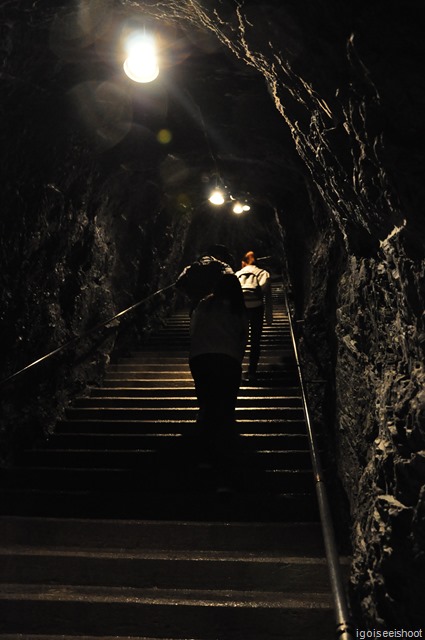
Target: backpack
251, 289
200, 278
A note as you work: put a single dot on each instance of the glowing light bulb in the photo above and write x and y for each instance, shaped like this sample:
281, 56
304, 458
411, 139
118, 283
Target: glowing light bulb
239, 208
141, 64
216, 197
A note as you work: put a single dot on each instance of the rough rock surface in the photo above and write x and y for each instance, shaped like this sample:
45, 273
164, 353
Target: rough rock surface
93, 213
84, 232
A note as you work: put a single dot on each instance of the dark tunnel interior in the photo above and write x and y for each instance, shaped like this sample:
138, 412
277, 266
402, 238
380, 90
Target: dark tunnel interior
313, 116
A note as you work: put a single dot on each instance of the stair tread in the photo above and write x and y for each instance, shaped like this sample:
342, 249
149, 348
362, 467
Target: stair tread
130, 471
268, 537
189, 422
113, 514
191, 505
187, 555
192, 396
153, 596
88, 450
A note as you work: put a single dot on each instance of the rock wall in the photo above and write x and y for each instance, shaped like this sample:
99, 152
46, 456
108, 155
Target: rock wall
380, 392
84, 232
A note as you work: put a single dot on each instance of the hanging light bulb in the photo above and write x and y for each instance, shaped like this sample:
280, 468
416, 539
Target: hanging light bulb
216, 197
141, 64
239, 208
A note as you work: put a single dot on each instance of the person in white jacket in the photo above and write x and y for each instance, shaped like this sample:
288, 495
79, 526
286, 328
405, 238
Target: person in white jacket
255, 283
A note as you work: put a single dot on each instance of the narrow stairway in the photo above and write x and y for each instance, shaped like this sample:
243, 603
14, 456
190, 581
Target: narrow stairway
116, 528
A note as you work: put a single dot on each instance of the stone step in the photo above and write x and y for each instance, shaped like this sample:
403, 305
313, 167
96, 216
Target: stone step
124, 414
279, 315
264, 378
279, 324
152, 382
182, 327
117, 441
295, 538
173, 478
123, 524
178, 427
192, 505
277, 358
189, 400
179, 350
174, 341
271, 362
182, 331
268, 367
150, 458
210, 614
187, 382
182, 364
173, 392
161, 569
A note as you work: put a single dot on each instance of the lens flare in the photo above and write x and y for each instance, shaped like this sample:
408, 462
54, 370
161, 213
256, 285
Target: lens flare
164, 136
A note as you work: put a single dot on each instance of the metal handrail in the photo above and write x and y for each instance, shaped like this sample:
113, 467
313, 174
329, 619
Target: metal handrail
72, 341
344, 630
75, 339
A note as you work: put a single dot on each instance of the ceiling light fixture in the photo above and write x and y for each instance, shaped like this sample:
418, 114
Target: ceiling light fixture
141, 64
239, 208
216, 197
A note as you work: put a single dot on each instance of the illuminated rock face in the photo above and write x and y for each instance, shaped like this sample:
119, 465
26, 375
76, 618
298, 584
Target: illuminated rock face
86, 230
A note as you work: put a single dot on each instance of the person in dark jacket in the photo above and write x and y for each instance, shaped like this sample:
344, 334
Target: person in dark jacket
198, 279
219, 332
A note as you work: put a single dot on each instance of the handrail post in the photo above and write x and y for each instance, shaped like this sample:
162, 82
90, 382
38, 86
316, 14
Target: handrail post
344, 630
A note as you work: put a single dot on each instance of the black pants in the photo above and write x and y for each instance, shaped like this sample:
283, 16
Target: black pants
217, 379
255, 318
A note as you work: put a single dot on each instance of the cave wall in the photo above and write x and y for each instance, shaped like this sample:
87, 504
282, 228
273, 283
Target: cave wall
84, 231
347, 80
371, 324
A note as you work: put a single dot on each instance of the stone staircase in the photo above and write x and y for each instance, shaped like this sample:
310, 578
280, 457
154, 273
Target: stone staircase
117, 526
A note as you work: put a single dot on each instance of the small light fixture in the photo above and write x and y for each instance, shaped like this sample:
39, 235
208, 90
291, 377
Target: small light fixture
141, 64
239, 208
216, 197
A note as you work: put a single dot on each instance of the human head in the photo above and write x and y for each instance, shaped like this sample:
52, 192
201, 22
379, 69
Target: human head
249, 258
220, 252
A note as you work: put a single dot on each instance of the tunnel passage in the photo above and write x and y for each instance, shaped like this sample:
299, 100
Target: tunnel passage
91, 221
